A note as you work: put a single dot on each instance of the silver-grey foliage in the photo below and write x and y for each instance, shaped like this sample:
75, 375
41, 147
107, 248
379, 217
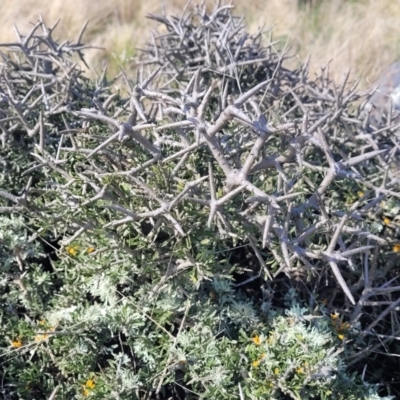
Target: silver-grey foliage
215, 139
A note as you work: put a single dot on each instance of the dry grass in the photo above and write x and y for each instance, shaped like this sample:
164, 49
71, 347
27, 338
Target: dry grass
357, 35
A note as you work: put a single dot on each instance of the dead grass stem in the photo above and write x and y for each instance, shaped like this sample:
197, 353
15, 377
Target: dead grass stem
358, 35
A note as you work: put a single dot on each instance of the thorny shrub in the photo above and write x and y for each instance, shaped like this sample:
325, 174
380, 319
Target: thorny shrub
224, 228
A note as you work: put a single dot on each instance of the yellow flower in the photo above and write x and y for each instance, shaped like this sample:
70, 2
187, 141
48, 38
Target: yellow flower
90, 384
396, 248
386, 221
40, 338
300, 370
16, 343
90, 250
72, 251
256, 363
256, 339
276, 371
44, 336
335, 316
341, 336
360, 194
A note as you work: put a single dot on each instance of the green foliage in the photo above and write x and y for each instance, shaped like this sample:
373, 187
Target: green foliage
122, 342
154, 245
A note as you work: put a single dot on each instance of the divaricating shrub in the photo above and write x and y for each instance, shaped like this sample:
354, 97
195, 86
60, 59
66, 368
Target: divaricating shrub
219, 230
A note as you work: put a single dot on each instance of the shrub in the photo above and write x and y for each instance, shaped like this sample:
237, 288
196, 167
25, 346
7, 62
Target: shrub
176, 242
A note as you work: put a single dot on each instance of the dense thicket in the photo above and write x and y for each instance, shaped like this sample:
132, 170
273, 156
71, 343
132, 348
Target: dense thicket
221, 228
